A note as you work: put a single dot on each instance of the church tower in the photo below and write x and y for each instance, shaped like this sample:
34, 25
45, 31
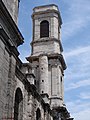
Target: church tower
13, 8
34, 90
46, 57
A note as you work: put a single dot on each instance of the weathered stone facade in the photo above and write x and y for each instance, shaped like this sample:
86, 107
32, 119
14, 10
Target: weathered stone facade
34, 90
12, 7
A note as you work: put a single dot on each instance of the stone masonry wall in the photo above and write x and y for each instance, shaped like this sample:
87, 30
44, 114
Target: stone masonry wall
12, 6
4, 68
46, 47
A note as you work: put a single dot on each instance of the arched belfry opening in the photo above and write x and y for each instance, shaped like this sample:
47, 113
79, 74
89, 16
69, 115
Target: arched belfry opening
38, 114
18, 105
44, 29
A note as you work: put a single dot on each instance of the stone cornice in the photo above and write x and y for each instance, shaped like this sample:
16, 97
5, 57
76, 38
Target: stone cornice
4, 35
43, 6
46, 39
31, 75
55, 97
62, 61
63, 111
46, 12
8, 44
28, 65
50, 56
14, 51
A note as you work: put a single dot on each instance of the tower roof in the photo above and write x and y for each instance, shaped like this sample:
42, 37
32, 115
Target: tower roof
46, 7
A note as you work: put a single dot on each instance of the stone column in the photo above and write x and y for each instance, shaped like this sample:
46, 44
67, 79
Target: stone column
56, 86
43, 66
10, 87
29, 108
3, 80
54, 78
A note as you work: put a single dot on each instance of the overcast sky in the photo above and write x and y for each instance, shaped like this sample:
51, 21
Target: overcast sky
76, 44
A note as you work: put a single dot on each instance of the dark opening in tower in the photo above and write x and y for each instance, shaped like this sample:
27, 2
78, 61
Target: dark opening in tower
44, 29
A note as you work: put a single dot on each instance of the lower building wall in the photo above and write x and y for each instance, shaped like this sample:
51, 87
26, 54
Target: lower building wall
4, 70
19, 100
32, 106
14, 91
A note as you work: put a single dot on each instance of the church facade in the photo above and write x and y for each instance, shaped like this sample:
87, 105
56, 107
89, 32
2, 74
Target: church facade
32, 90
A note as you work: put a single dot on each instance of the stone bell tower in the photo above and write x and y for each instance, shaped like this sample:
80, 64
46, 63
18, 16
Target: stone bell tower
13, 8
46, 56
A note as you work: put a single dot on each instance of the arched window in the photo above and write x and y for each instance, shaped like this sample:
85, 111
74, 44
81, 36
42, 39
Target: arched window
18, 105
38, 114
44, 29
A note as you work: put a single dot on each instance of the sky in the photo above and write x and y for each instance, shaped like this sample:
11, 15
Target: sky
75, 37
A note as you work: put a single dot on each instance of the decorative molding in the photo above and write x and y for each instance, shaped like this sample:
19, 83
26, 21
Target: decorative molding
8, 43
46, 39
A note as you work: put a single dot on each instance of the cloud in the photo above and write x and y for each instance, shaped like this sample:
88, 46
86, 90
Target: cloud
82, 115
78, 80
78, 105
84, 95
78, 17
79, 110
78, 62
82, 83
72, 27
77, 51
